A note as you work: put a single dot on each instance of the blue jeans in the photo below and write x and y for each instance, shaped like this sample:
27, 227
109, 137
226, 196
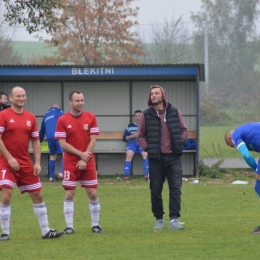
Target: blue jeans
170, 167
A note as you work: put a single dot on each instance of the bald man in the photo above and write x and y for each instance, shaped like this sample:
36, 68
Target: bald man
17, 128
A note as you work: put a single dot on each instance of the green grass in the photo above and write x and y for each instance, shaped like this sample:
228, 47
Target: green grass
219, 219
212, 143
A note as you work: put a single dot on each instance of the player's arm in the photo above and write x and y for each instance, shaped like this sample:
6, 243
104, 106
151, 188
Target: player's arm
141, 133
36, 146
92, 143
10, 159
69, 148
247, 156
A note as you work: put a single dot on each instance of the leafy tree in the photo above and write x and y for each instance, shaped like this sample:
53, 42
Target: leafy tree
170, 44
35, 15
232, 38
96, 32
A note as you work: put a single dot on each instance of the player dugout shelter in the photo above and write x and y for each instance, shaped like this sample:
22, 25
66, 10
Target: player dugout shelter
112, 93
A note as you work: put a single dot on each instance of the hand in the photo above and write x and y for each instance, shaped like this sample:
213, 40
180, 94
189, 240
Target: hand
134, 135
81, 164
14, 164
37, 169
86, 156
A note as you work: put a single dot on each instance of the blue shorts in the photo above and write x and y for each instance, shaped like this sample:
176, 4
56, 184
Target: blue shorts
134, 147
54, 147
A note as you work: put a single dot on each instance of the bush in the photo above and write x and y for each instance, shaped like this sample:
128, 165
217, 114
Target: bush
213, 172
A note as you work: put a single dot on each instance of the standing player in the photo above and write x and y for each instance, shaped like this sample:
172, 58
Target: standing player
76, 132
133, 147
48, 127
246, 138
17, 127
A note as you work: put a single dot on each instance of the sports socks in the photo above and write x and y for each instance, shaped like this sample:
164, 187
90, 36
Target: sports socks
51, 168
146, 167
127, 168
94, 207
40, 211
69, 212
5, 214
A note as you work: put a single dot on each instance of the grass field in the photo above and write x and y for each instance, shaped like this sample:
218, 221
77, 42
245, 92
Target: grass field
219, 219
212, 143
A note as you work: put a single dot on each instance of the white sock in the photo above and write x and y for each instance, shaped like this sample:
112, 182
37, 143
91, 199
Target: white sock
69, 212
94, 207
40, 211
5, 214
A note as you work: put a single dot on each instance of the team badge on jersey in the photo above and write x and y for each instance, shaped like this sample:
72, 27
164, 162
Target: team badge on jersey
85, 126
29, 123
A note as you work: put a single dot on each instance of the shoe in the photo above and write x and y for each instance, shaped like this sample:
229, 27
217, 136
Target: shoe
68, 231
51, 180
257, 230
175, 225
97, 229
60, 176
4, 237
53, 234
159, 224
126, 178
146, 177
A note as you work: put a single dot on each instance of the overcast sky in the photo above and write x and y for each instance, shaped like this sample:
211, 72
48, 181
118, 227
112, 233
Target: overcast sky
151, 12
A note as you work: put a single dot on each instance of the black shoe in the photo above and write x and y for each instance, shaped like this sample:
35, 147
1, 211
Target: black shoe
53, 234
97, 229
257, 230
68, 231
4, 237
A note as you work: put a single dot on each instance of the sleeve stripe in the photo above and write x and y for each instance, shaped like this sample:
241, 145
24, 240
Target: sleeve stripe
60, 134
35, 134
94, 130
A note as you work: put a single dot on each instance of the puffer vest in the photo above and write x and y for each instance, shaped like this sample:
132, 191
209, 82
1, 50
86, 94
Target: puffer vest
153, 132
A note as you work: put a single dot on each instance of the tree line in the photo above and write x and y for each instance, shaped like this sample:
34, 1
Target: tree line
95, 32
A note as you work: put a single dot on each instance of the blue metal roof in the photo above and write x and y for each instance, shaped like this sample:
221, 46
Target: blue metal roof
108, 72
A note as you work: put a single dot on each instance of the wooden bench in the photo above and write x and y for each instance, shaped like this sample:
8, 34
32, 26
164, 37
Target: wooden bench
119, 136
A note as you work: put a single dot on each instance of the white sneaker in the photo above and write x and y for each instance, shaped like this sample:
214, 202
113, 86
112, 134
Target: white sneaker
60, 176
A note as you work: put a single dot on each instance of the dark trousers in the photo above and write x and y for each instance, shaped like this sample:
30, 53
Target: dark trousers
169, 167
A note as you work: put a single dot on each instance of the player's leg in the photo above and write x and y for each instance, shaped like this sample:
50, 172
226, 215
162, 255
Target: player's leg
29, 183
89, 181
145, 163
7, 182
69, 183
68, 211
5, 213
61, 167
53, 155
130, 152
61, 151
257, 190
40, 211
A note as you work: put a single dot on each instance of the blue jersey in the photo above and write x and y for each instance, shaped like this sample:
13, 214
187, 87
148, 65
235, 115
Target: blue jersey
49, 122
247, 134
130, 129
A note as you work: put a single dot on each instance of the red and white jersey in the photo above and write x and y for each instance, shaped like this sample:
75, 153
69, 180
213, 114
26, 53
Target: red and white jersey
76, 130
17, 130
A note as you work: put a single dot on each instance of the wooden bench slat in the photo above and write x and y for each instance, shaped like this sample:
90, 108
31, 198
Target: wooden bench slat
119, 135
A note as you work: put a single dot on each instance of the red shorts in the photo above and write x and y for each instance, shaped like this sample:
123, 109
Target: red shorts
24, 178
87, 178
